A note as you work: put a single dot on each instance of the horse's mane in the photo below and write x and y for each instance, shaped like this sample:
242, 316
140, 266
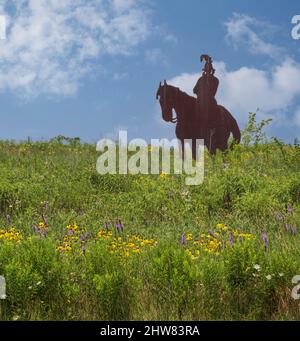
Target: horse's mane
188, 99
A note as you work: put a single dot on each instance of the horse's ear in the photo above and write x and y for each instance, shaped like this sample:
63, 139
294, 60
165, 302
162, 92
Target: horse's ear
165, 91
158, 90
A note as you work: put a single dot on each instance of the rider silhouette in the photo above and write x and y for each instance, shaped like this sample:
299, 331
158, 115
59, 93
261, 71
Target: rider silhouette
206, 89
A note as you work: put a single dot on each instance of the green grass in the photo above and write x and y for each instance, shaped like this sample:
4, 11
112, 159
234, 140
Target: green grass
242, 189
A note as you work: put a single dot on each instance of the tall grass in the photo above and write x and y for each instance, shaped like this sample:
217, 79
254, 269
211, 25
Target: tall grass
254, 188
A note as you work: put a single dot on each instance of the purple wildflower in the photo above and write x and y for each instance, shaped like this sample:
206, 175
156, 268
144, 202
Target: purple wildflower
106, 226
44, 233
87, 235
265, 239
37, 230
70, 232
289, 209
117, 226
8, 217
211, 232
121, 226
231, 239
83, 248
293, 230
183, 239
81, 238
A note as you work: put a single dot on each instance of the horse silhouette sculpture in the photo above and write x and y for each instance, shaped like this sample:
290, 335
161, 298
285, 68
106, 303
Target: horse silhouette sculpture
201, 117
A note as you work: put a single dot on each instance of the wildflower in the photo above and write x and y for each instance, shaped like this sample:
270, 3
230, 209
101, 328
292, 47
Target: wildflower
293, 230
8, 217
269, 277
10, 235
73, 228
83, 248
256, 267
121, 226
289, 209
117, 226
41, 225
106, 226
280, 274
265, 239
183, 239
211, 232
247, 236
45, 233
81, 238
87, 235
46, 207
70, 232
189, 237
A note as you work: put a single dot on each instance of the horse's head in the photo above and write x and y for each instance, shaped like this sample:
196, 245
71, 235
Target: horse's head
166, 97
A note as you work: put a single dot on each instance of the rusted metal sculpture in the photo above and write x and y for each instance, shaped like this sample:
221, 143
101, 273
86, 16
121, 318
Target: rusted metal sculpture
201, 117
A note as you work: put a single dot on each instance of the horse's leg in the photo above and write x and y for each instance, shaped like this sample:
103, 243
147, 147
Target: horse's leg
222, 138
180, 136
213, 146
194, 148
225, 129
212, 138
182, 148
224, 144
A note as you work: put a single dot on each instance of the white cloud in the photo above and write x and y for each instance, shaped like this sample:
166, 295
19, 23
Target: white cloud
118, 76
246, 89
273, 91
51, 43
170, 38
155, 56
243, 30
185, 81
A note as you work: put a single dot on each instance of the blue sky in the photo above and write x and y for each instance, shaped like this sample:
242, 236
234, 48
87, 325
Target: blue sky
89, 68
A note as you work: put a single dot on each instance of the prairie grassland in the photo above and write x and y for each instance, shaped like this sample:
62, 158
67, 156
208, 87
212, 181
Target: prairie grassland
76, 245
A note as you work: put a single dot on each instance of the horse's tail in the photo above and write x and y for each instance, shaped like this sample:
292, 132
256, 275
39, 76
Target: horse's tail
233, 128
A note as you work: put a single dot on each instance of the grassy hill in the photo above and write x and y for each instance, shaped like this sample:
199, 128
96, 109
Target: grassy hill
226, 249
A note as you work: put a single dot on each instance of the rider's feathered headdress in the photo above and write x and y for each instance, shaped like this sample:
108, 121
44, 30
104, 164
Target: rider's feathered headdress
208, 68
